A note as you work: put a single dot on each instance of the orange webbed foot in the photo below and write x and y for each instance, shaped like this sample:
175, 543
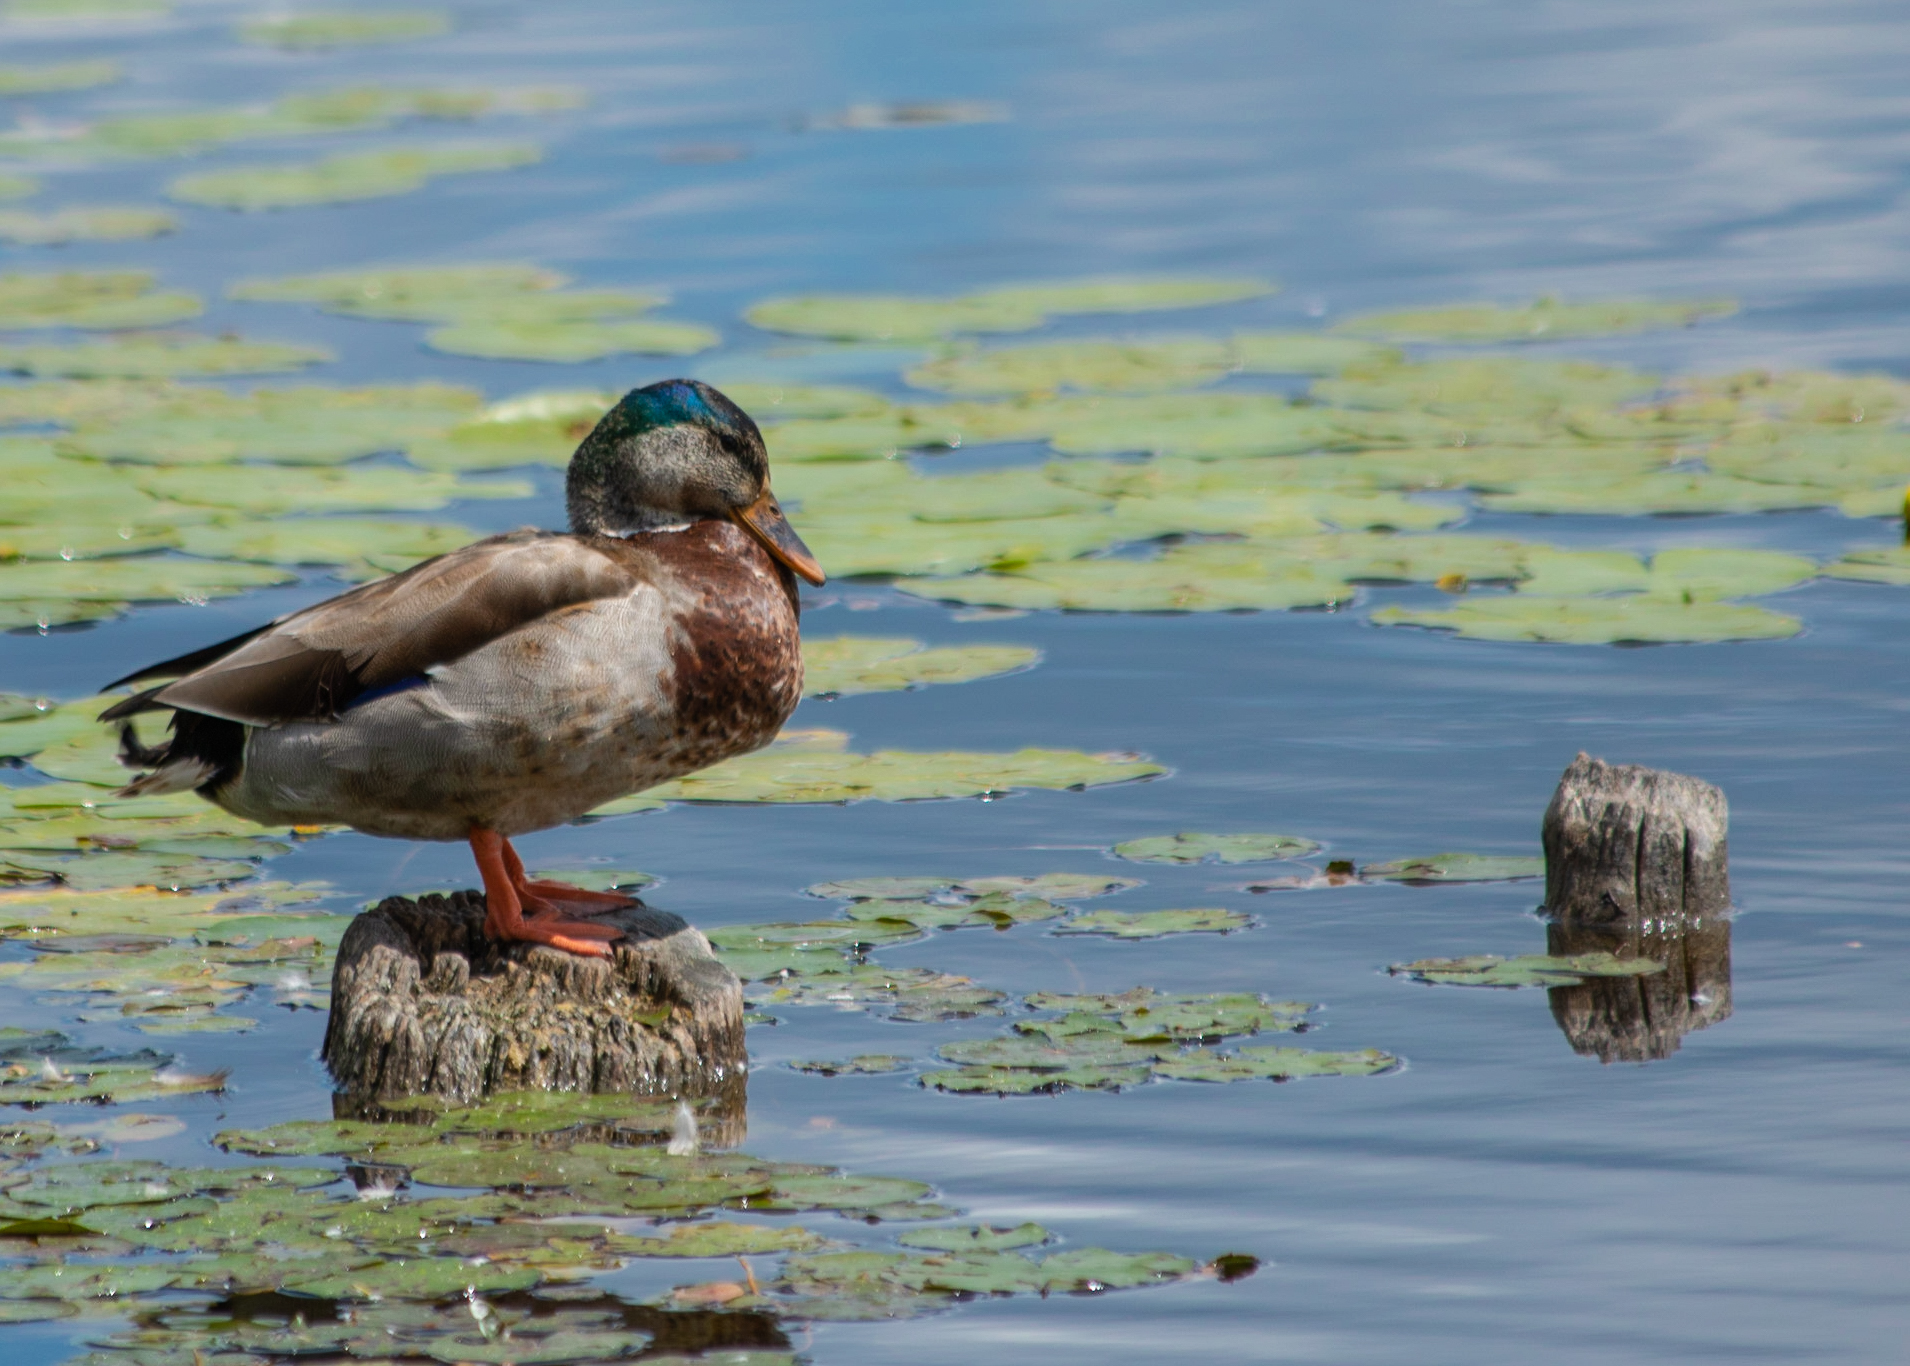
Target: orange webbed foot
505, 917
577, 900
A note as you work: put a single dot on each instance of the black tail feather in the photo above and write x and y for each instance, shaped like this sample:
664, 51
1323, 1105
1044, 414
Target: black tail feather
135, 755
185, 664
132, 706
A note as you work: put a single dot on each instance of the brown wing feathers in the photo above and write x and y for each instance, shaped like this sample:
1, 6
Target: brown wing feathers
310, 665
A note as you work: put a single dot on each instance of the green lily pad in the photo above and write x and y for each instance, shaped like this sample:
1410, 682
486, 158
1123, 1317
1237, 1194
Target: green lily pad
406, 293
1045, 886
135, 578
328, 540
91, 299
1546, 319
309, 113
1154, 924
79, 1281
90, 872
717, 1239
976, 1237
1273, 1064
599, 879
849, 665
1143, 1015
1435, 868
103, 224
997, 910
49, 78
982, 1079
770, 403
1092, 1269
318, 31
15, 186
1158, 363
198, 1024
1189, 847
1890, 565
816, 766
348, 176
159, 355
1597, 621
273, 491
512, 339
87, 12
914, 994
35, 1311
1020, 308
301, 425
1143, 365
863, 1064
1531, 970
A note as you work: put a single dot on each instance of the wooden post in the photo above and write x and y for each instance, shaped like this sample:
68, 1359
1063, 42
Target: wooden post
1636, 865
424, 1004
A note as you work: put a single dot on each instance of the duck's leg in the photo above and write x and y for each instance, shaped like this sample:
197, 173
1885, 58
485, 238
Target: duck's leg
504, 916
560, 895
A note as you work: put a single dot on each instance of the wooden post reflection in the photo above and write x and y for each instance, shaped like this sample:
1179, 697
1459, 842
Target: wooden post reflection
1637, 865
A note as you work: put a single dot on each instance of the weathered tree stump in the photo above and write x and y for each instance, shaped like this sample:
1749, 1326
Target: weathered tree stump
424, 1004
1636, 865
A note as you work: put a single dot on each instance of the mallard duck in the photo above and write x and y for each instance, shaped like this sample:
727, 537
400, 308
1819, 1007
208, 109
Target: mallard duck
520, 682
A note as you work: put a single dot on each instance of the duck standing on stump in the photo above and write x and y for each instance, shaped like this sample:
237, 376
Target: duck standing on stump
520, 682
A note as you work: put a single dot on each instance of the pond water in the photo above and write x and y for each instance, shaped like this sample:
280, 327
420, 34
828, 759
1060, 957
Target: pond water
1498, 1198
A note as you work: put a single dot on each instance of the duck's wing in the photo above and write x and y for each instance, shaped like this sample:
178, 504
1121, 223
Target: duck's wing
313, 663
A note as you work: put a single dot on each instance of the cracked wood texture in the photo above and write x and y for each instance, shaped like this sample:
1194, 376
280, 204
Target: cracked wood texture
1636, 865
424, 1004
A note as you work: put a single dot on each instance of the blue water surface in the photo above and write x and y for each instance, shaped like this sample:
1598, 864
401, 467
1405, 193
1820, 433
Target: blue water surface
1501, 1199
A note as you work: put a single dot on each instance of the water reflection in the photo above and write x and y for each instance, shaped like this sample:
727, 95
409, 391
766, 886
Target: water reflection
1641, 1019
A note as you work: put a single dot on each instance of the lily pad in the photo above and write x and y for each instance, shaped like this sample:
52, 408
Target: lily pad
1154, 924
1531, 970
1190, 847
405, 293
1435, 868
913, 994
1545, 319
15, 186
271, 491
1596, 621
1889, 565
318, 30
998, 910
134, 578
85, 12
1273, 1064
330, 540
300, 425
158, 355
1209, 577
976, 1237
816, 766
863, 1064
1142, 365
348, 176
718, 1239
846, 666
103, 224
1045, 886
983, 1079
513, 339
49, 78
1021, 308
1145, 1016
91, 299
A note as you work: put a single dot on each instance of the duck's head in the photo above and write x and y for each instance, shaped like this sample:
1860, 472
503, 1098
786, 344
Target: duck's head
672, 453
